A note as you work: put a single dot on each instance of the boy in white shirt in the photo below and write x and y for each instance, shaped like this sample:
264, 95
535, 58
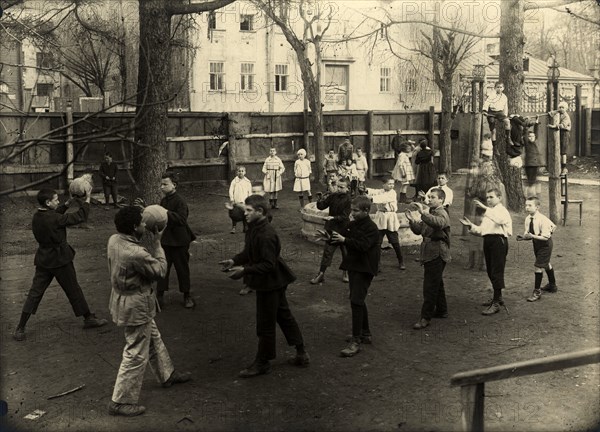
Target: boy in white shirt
539, 229
239, 189
442, 180
495, 108
495, 228
386, 218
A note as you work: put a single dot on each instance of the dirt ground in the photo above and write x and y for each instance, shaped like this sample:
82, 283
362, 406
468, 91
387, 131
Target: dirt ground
400, 383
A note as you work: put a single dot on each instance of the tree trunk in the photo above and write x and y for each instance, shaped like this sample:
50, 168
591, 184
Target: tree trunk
154, 79
512, 41
313, 92
445, 129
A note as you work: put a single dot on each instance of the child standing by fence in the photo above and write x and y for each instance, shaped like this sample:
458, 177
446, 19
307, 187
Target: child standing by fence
239, 189
386, 218
403, 171
273, 169
302, 171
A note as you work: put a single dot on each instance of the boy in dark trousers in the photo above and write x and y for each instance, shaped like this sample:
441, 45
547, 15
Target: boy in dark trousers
539, 229
338, 204
176, 240
361, 239
434, 227
265, 272
54, 258
108, 174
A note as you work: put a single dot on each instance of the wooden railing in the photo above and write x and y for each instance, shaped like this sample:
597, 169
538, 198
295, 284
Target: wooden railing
472, 383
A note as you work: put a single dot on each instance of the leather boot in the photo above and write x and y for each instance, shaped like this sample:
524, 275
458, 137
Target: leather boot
398, 251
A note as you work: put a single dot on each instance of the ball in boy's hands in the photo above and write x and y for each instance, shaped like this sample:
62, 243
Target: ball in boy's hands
155, 217
80, 187
516, 162
139, 202
413, 207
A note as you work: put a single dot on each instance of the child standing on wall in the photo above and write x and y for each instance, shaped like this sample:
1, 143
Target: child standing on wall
302, 171
273, 169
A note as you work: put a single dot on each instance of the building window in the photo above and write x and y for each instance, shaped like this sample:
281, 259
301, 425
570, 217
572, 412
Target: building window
212, 20
410, 85
246, 22
44, 89
247, 77
217, 76
385, 74
281, 78
43, 60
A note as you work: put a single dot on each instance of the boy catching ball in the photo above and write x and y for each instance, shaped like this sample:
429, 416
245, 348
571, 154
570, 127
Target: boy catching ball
54, 258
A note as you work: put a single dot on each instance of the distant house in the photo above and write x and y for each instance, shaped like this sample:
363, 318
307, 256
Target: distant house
536, 78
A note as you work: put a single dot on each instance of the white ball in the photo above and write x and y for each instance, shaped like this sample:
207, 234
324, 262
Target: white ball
155, 217
80, 186
516, 162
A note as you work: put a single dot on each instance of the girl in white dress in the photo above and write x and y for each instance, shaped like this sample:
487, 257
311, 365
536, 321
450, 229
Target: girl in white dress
273, 169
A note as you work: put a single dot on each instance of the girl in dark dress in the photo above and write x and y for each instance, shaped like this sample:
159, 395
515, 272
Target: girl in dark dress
426, 174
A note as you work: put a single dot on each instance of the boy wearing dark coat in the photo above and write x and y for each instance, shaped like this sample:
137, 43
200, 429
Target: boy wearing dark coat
361, 239
338, 204
265, 272
108, 173
434, 227
54, 258
176, 240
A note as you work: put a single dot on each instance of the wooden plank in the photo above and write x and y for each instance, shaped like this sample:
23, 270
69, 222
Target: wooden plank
472, 405
198, 162
196, 138
29, 169
528, 367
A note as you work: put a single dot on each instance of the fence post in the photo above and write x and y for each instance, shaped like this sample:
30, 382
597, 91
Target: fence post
69, 143
554, 196
471, 400
588, 131
305, 121
431, 126
232, 153
578, 122
370, 144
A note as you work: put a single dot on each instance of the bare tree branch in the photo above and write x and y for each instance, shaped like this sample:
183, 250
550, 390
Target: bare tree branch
541, 4
190, 8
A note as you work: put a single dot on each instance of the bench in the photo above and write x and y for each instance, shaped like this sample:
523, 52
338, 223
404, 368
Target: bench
472, 383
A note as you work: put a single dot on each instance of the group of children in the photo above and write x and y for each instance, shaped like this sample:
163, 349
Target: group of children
352, 170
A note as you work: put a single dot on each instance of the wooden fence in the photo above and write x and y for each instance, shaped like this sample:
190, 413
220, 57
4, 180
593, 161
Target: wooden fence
194, 140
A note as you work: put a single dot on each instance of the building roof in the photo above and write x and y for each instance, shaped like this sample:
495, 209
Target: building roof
538, 70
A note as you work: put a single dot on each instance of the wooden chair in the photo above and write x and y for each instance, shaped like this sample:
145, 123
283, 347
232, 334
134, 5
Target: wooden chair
472, 383
565, 201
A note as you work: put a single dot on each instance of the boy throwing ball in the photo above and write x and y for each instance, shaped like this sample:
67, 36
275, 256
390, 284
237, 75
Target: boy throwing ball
54, 258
